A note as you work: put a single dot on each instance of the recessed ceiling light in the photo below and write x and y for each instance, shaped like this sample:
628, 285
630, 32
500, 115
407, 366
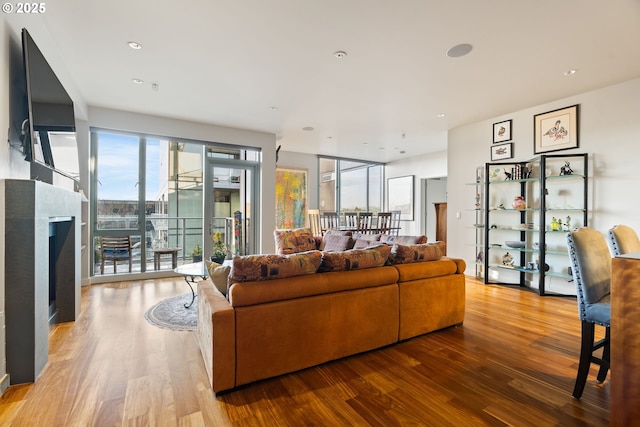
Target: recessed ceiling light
340, 54
273, 108
441, 115
135, 45
137, 81
459, 50
570, 72
307, 128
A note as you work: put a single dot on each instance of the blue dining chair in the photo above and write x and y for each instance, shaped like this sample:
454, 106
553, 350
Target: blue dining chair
623, 240
591, 269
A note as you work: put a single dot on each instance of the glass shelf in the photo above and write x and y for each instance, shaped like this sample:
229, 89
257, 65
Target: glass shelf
520, 269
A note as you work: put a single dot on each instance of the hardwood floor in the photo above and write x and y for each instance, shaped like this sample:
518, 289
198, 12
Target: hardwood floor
513, 362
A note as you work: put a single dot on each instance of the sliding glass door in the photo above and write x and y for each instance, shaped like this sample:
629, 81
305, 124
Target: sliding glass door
231, 207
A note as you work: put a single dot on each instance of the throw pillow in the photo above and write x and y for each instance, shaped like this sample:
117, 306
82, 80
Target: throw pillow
354, 259
365, 240
403, 240
251, 268
294, 241
218, 274
337, 243
332, 232
401, 254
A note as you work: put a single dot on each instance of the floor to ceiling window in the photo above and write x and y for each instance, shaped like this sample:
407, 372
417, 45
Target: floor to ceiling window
151, 190
349, 185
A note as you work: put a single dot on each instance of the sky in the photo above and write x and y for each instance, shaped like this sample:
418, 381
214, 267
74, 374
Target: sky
118, 167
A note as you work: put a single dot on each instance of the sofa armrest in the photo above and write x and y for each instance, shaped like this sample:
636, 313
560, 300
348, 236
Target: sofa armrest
216, 336
460, 263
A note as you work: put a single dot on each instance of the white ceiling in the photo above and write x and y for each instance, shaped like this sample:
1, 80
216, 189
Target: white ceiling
228, 62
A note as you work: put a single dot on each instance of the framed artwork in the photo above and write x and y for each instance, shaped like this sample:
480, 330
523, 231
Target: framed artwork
502, 131
556, 130
502, 151
291, 197
400, 196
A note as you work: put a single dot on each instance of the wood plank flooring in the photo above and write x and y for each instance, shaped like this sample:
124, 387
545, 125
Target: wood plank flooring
512, 363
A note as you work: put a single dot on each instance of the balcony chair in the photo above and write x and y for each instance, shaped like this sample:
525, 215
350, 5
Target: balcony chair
115, 248
591, 269
314, 222
623, 240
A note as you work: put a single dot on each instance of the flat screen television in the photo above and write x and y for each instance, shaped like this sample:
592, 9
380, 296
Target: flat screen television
49, 131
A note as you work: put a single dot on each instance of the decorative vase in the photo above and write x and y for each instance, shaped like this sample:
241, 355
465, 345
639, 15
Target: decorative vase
519, 203
217, 259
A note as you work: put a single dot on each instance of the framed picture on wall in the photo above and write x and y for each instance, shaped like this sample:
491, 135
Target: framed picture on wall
556, 130
400, 196
502, 131
291, 197
502, 151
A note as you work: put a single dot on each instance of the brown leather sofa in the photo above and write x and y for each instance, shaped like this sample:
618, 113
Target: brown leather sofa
273, 327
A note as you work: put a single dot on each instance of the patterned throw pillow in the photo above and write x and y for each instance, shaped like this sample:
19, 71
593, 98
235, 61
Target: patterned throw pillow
365, 240
403, 240
294, 241
337, 243
401, 254
332, 232
251, 268
354, 259
218, 274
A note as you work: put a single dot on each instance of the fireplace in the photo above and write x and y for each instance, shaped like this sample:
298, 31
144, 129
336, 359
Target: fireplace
42, 267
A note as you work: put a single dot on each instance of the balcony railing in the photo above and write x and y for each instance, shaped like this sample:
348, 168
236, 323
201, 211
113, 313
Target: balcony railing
160, 231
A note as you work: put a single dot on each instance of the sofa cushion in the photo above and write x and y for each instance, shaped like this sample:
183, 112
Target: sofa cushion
294, 241
403, 240
251, 268
401, 254
333, 232
354, 259
218, 274
337, 243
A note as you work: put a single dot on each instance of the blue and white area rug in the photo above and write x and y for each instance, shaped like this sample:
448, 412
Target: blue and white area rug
171, 314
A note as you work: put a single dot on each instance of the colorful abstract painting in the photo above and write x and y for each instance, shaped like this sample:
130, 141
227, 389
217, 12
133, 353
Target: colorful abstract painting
291, 197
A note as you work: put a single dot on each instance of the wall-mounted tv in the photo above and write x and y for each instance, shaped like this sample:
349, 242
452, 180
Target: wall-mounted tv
49, 131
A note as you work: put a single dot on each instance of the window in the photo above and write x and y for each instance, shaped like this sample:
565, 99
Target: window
152, 189
358, 185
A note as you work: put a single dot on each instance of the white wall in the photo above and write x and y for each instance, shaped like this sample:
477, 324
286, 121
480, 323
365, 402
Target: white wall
609, 132
426, 166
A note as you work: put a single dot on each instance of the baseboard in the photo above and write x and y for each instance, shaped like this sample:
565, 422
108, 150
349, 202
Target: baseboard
4, 384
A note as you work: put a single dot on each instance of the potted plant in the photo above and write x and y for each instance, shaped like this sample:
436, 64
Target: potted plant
219, 248
196, 254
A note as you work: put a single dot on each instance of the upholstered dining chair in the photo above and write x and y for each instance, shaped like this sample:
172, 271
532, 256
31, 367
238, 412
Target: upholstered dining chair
623, 240
591, 269
314, 222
